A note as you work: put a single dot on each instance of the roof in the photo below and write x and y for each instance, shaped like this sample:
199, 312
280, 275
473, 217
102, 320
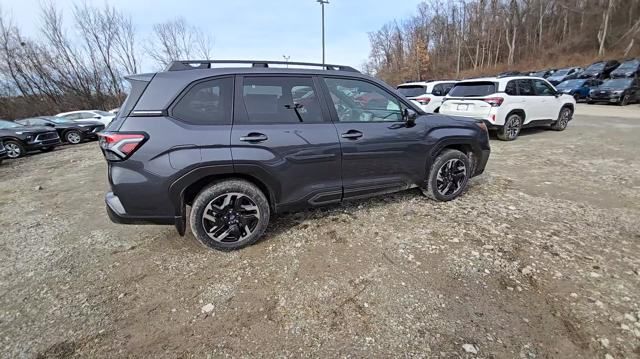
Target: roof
501, 79
426, 83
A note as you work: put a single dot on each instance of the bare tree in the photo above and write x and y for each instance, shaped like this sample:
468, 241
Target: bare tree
177, 40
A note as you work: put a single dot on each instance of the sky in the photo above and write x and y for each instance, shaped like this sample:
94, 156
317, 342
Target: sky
253, 29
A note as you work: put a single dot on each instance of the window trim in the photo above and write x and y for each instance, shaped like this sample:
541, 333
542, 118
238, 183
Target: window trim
334, 113
533, 88
241, 115
169, 111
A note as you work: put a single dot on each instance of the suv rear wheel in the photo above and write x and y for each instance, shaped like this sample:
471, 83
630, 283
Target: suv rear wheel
449, 176
229, 215
511, 128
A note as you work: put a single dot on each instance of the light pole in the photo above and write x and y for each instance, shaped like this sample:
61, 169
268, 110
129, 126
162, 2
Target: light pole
286, 59
322, 3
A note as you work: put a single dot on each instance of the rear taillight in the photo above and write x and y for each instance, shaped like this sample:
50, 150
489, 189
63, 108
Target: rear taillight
118, 146
423, 100
494, 101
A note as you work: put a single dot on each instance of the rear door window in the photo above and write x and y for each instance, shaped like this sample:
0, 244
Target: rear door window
511, 88
206, 103
447, 87
281, 100
412, 91
473, 89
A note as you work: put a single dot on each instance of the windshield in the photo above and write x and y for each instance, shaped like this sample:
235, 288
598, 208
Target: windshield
8, 124
570, 84
473, 89
561, 72
596, 67
103, 113
412, 90
538, 74
630, 64
617, 83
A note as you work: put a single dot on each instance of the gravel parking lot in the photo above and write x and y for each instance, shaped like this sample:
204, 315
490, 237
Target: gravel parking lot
540, 258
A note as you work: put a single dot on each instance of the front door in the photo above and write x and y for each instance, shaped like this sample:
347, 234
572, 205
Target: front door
548, 102
283, 135
380, 152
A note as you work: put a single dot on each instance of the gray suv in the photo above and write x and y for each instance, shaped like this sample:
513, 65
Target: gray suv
239, 144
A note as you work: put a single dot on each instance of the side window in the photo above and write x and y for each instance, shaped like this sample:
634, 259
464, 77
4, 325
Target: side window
86, 115
525, 88
37, 122
281, 100
438, 90
542, 88
206, 103
447, 88
511, 88
72, 116
361, 101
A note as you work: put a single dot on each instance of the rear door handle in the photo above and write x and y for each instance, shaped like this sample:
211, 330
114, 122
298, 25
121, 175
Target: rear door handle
254, 137
352, 134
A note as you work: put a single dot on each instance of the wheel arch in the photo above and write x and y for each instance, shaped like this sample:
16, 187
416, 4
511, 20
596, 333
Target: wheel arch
517, 111
462, 144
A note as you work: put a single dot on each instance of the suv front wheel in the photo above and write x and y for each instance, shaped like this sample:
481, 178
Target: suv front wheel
229, 215
449, 176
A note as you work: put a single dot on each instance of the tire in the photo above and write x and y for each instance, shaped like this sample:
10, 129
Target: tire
563, 119
511, 128
576, 97
217, 206
73, 137
46, 149
590, 102
624, 101
14, 149
449, 176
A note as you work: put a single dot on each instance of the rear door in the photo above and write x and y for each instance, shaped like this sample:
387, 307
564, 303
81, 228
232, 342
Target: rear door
530, 102
467, 99
380, 152
283, 135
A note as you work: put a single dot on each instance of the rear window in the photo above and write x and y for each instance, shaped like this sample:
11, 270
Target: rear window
206, 103
412, 91
473, 89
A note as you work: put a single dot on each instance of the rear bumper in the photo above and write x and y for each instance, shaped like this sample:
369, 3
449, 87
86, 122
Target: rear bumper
481, 162
117, 214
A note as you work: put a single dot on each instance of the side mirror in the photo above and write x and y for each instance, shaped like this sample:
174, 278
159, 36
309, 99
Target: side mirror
49, 124
410, 116
437, 93
97, 117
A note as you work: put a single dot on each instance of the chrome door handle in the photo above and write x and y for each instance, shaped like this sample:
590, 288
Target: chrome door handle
254, 137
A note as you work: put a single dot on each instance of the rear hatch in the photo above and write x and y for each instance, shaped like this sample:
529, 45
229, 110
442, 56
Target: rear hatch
471, 99
416, 93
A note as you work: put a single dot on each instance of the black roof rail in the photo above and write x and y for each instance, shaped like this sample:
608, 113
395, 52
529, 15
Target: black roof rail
207, 64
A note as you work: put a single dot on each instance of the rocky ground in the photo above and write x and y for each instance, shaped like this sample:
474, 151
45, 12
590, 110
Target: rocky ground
539, 259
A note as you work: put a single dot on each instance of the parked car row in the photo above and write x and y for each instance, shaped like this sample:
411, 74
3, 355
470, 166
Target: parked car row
44, 133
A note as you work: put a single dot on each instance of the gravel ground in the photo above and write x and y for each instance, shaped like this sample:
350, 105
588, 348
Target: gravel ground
540, 258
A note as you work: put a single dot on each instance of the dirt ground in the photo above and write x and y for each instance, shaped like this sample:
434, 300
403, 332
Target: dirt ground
539, 259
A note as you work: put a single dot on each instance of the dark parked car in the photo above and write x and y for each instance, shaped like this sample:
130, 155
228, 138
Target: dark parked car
629, 68
509, 73
73, 132
578, 88
19, 139
232, 143
542, 73
564, 74
599, 70
622, 91
3, 152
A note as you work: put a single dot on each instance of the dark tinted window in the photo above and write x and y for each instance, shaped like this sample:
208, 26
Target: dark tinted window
473, 89
525, 88
511, 88
412, 91
596, 67
447, 87
206, 103
281, 100
543, 89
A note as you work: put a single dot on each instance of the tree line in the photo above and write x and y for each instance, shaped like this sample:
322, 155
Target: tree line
80, 62
457, 38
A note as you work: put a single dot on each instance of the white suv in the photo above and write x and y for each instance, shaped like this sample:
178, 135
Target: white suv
96, 115
428, 95
508, 104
